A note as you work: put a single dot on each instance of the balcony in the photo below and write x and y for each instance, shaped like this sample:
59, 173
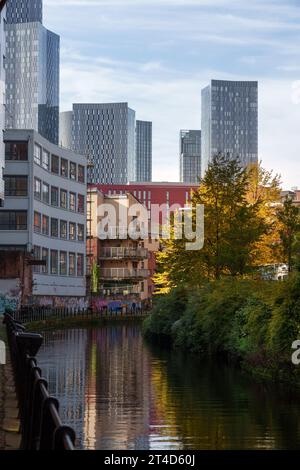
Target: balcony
118, 274
123, 253
122, 292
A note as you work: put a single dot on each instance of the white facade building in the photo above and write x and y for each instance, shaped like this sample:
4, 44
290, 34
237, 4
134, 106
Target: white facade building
45, 213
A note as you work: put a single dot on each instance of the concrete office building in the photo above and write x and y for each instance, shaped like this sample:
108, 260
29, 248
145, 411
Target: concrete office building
190, 156
32, 71
2, 93
104, 132
143, 151
43, 220
230, 121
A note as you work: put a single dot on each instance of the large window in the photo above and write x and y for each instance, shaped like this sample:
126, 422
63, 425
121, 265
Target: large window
13, 220
72, 267
63, 263
37, 222
73, 171
45, 225
37, 154
45, 257
64, 167
16, 186
72, 231
72, 202
81, 202
16, 151
54, 262
81, 174
55, 164
46, 160
63, 229
54, 196
63, 199
80, 232
37, 188
54, 228
80, 265
37, 257
46, 193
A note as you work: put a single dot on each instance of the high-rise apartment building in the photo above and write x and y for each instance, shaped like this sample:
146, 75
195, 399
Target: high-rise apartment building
24, 11
32, 71
230, 121
105, 133
2, 94
190, 156
143, 151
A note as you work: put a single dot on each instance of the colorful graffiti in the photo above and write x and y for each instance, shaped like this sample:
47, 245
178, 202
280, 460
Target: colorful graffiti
78, 303
10, 294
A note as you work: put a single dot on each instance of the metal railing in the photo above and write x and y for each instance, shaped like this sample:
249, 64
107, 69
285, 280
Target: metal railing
123, 253
124, 273
41, 425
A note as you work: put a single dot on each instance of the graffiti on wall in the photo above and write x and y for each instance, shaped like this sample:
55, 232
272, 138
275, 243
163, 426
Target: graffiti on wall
78, 303
10, 294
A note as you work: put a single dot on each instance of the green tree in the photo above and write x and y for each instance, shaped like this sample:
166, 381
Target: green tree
289, 220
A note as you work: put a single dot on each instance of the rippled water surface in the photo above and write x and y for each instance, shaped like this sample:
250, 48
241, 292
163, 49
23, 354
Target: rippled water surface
120, 393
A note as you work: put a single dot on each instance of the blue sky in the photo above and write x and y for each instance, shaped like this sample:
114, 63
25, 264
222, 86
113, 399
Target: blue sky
158, 54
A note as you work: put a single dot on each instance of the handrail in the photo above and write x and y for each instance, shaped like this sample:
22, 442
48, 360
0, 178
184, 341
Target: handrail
41, 425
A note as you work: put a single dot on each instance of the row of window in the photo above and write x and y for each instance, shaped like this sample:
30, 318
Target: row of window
18, 151
58, 228
13, 220
58, 263
58, 197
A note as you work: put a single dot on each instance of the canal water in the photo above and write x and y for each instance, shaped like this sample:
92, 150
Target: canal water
119, 392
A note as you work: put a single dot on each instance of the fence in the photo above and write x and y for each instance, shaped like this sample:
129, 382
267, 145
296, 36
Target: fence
41, 425
113, 310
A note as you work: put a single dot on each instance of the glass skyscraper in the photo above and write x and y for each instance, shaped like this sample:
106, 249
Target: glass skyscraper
190, 156
143, 151
230, 121
105, 133
32, 71
2, 96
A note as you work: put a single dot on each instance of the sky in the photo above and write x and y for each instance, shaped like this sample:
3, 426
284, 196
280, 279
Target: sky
157, 55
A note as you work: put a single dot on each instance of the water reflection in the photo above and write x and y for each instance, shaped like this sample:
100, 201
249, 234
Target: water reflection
120, 393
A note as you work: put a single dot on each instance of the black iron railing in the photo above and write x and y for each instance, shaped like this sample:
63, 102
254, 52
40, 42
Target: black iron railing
41, 425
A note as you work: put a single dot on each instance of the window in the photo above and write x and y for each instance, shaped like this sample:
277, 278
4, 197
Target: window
54, 196
80, 233
13, 220
37, 222
16, 151
45, 225
37, 154
72, 231
54, 228
37, 188
46, 193
72, 202
46, 160
73, 171
63, 199
45, 257
55, 164
37, 257
54, 262
63, 229
81, 203
16, 186
81, 174
80, 267
63, 263
72, 267
64, 167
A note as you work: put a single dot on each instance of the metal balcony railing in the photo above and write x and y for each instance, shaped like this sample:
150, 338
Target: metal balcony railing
123, 253
124, 273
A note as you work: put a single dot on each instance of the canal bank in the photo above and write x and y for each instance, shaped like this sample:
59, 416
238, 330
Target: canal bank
10, 437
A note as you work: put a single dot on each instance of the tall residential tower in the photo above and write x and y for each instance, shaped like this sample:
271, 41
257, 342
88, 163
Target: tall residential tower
143, 151
105, 133
230, 121
190, 156
2, 95
32, 70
